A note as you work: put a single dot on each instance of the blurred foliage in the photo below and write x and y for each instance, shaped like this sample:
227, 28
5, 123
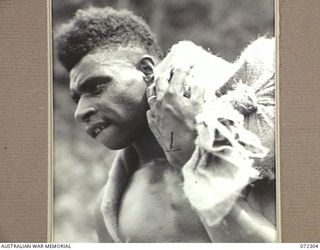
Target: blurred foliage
80, 164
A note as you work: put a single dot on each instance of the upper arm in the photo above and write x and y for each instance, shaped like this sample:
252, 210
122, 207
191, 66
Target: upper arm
102, 232
262, 198
242, 224
250, 220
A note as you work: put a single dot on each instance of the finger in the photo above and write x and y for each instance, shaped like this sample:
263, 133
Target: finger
150, 117
153, 126
162, 84
190, 167
152, 123
151, 90
197, 93
151, 95
177, 81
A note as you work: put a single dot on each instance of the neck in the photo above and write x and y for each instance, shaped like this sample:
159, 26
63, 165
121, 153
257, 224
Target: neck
147, 147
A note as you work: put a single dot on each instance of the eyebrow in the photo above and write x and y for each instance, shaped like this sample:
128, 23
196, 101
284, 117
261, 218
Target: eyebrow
88, 85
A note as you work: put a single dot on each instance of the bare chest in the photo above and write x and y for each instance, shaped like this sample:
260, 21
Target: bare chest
154, 209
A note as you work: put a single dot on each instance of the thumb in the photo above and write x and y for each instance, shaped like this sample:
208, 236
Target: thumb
153, 126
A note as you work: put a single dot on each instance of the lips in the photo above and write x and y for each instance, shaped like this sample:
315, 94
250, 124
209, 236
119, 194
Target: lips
93, 129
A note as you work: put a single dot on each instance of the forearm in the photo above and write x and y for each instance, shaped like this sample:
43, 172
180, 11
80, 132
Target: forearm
242, 224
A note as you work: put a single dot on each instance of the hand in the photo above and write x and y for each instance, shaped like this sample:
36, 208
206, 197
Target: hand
173, 107
183, 82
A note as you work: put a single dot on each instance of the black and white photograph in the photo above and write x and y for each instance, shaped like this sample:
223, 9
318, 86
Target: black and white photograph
164, 121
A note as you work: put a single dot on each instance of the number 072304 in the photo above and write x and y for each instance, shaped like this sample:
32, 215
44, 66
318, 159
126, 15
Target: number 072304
309, 245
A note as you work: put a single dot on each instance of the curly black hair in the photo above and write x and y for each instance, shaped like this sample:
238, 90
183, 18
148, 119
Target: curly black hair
94, 28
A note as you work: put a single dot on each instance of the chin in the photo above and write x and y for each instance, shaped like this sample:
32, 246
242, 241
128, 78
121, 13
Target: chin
118, 139
115, 145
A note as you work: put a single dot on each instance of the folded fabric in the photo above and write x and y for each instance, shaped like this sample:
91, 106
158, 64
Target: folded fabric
235, 127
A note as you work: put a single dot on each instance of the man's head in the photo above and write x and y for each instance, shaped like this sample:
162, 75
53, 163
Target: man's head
103, 49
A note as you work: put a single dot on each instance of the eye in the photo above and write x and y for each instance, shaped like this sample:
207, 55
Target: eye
93, 86
96, 85
97, 89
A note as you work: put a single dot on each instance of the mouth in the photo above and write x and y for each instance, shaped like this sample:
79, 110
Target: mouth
94, 129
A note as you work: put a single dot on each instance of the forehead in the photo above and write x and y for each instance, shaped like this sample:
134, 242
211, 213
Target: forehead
103, 62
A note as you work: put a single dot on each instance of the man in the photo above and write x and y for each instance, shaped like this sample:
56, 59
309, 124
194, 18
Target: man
111, 57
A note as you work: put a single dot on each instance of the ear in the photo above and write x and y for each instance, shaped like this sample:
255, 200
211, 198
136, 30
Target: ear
146, 65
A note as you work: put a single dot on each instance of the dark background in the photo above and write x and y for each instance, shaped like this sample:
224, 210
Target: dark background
80, 164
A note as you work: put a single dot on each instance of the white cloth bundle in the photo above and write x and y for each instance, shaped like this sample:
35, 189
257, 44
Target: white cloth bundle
235, 126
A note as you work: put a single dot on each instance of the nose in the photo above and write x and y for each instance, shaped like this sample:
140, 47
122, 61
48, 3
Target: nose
84, 112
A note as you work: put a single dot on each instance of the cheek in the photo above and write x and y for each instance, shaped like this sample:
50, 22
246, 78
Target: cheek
139, 94
127, 100
136, 104
133, 90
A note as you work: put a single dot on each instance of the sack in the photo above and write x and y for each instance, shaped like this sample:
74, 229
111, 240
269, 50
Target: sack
235, 126
252, 93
